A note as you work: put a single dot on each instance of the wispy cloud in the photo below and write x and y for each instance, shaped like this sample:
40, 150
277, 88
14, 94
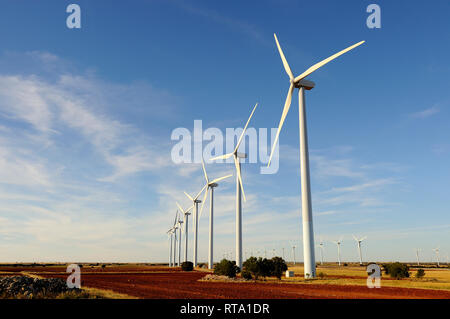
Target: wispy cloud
425, 113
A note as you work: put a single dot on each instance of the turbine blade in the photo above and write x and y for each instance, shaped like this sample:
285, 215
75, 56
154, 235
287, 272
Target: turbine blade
195, 198
245, 128
175, 221
220, 178
188, 196
287, 105
238, 172
203, 202
180, 207
225, 156
204, 171
323, 62
364, 238
283, 58
354, 237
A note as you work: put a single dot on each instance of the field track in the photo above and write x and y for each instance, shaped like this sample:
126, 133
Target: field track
163, 282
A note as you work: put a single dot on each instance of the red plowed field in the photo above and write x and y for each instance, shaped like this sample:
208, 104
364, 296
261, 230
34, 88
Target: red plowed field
177, 284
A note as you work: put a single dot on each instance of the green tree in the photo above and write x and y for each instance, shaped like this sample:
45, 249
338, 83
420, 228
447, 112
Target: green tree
226, 268
279, 267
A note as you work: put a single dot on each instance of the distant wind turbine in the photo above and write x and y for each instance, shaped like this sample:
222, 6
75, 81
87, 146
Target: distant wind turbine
195, 202
417, 256
186, 231
338, 243
359, 241
239, 189
210, 185
180, 230
436, 250
321, 252
302, 84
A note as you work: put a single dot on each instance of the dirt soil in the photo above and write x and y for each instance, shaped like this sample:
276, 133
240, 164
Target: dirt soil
170, 283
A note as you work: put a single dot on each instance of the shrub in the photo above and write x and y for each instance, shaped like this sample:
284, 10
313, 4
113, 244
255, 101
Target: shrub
187, 266
420, 273
266, 267
321, 275
246, 274
251, 265
345, 264
396, 270
226, 268
278, 267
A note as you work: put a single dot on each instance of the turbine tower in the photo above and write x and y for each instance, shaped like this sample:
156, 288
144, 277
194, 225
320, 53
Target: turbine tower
195, 202
359, 241
302, 84
186, 237
417, 256
239, 189
338, 243
210, 185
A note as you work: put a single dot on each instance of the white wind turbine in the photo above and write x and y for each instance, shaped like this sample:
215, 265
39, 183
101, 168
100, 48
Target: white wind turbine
436, 250
180, 229
210, 185
186, 232
338, 244
239, 189
359, 241
417, 256
293, 252
170, 236
302, 84
321, 251
174, 229
195, 202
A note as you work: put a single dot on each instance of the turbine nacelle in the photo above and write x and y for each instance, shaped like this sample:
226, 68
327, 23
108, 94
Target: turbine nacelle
306, 84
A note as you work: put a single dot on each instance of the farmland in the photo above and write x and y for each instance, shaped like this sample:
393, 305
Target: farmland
159, 281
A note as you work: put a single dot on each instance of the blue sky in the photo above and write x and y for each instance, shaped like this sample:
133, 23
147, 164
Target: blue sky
86, 118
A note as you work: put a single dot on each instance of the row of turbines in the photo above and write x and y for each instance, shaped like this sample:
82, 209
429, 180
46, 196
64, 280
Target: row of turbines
301, 84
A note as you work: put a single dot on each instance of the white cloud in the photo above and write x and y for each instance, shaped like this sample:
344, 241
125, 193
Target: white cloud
425, 113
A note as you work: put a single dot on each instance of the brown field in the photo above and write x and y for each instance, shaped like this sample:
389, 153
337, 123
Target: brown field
143, 281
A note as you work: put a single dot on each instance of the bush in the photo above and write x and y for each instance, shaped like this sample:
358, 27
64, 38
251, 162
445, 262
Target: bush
266, 267
226, 268
187, 266
321, 275
251, 266
396, 270
420, 273
246, 274
278, 267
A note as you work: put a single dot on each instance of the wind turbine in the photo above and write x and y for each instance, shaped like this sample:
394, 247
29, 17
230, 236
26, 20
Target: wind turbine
359, 241
338, 243
186, 237
180, 229
239, 189
417, 256
210, 185
321, 252
175, 228
170, 235
436, 250
302, 84
195, 202
293, 252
